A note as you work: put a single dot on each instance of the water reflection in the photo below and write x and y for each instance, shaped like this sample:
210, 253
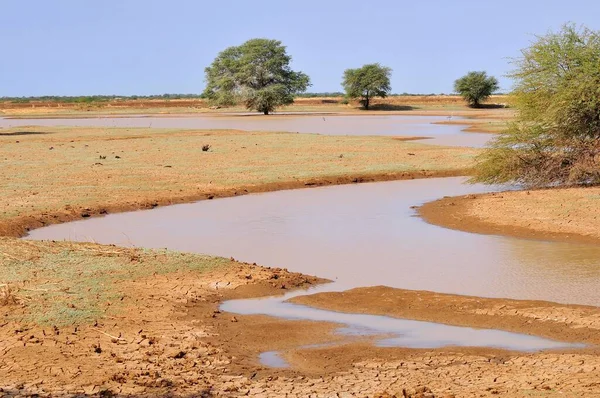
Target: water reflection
391, 125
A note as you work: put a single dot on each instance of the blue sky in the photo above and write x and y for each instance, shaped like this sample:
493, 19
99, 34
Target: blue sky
125, 47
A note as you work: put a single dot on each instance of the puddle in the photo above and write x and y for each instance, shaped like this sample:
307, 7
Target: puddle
390, 125
395, 332
273, 359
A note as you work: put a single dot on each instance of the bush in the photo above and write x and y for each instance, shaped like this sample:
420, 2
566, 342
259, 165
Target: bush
555, 139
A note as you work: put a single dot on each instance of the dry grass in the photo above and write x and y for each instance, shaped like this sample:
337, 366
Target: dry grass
75, 170
60, 283
7, 295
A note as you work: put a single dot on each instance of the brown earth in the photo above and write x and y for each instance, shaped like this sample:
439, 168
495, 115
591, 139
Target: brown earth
570, 214
469, 372
154, 329
407, 102
83, 319
563, 322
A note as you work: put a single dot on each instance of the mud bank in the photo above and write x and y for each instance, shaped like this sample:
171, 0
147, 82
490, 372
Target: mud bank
551, 214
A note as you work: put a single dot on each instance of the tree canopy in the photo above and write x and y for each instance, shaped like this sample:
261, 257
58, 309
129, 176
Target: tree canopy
257, 73
476, 87
555, 139
371, 80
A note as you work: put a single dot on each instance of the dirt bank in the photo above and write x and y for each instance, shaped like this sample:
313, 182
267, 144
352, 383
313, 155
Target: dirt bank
551, 214
58, 174
98, 320
569, 323
469, 372
85, 318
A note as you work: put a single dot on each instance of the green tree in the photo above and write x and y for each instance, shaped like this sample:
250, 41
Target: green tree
476, 87
555, 139
371, 80
256, 73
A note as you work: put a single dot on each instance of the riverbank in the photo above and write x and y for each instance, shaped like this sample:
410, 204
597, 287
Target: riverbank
569, 214
97, 320
469, 372
58, 174
100, 320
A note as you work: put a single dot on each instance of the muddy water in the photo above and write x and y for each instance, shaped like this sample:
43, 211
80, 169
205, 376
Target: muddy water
358, 235
386, 331
391, 125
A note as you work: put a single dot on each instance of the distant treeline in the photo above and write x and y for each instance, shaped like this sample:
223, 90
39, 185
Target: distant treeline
107, 98
98, 98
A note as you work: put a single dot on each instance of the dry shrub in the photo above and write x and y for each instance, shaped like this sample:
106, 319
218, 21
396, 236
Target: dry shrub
7, 296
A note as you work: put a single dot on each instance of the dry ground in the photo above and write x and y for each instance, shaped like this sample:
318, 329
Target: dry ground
51, 175
406, 105
557, 214
100, 320
85, 319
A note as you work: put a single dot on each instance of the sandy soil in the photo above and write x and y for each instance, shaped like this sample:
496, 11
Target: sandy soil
470, 372
154, 328
53, 175
84, 319
556, 214
131, 321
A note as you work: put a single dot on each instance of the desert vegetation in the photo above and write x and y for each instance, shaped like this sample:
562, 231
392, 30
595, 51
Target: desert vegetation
555, 139
257, 73
476, 87
372, 80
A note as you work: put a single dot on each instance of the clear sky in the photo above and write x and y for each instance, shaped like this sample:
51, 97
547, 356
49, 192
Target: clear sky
126, 47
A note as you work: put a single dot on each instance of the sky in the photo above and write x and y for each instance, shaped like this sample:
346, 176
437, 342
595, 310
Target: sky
144, 47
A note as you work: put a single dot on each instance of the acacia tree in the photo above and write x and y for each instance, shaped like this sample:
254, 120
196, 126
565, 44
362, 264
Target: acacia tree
555, 139
256, 73
476, 87
371, 80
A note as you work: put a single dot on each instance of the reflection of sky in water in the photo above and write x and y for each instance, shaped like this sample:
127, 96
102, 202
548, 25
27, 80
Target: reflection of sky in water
386, 331
323, 124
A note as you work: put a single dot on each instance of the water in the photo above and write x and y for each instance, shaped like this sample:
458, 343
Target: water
358, 235
273, 359
388, 331
355, 235
391, 125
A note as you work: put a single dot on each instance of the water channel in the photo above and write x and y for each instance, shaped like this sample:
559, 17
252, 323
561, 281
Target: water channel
357, 235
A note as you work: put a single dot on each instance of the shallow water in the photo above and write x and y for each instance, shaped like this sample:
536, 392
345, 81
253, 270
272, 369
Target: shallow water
390, 125
387, 331
358, 235
355, 235
273, 359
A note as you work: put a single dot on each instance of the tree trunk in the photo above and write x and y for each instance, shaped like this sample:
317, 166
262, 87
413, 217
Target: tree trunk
266, 112
367, 102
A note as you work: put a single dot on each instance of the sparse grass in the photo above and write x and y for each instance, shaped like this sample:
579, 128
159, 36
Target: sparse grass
63, 283
67, 170
92, 167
